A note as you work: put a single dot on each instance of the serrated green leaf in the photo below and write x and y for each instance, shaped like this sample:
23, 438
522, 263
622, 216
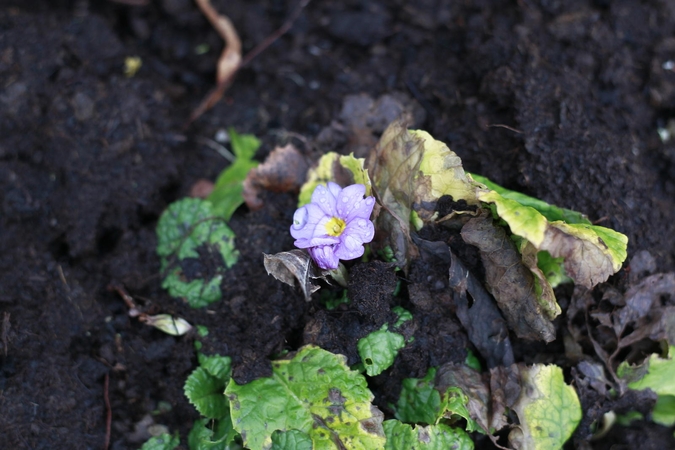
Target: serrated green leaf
291, 440
419, 401
206, 393
591, 253
548, 409
216, 365
433, 437
209, 434
379, 349
162, 442
551, 212
313, 392
187, 226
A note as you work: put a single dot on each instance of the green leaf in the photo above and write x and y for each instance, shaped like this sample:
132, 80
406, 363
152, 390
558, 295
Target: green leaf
343, 170
379, 349
403, 315
551, 212
209, 434
655, 373
472, 361
591, 253
434, 437
548, 409
162, 442
216, 365
226, 196
197, 293
321, 174
195, 247
291, 440
552, 268
313, 392
206, 393
455, 406
357, 168
244, 146
664, 410
419, 401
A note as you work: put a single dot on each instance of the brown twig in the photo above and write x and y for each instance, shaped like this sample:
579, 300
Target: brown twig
108, 411
114, 286
230, 60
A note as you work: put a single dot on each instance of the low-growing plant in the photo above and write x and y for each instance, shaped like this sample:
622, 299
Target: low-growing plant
352, 208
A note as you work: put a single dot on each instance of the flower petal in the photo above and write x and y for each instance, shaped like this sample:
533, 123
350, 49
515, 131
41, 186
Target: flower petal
347, 199
362, 230
316, 241
351, 204
308, 222
324, 257
361, 209
325, 197
349, 248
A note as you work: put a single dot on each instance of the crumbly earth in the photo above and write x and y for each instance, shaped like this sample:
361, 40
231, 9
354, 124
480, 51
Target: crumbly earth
560, 100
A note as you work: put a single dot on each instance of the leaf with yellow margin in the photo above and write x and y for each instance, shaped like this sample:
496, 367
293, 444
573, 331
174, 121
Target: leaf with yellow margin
440, 173
312, 391
591, 253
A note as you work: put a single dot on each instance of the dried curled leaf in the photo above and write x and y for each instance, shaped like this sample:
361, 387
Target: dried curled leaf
476, 391
485, 326
283, 171
175, 326
394, 164
288, 267
510, 282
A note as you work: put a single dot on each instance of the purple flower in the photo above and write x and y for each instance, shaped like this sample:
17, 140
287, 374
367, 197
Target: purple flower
335, 225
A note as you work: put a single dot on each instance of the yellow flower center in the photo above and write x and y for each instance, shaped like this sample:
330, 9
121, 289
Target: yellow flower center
335, 226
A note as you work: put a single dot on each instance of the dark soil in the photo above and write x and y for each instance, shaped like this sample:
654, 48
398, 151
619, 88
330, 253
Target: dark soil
560, 100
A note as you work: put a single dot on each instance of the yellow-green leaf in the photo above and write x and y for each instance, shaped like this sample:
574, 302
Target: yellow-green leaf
314, 392
548, 409
441, 173
591, 253
321, 174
